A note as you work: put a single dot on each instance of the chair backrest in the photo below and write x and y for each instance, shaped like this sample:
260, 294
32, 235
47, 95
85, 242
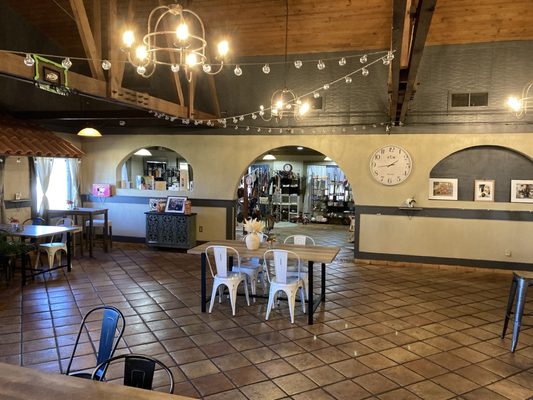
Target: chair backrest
300, 240
68, 222
280, 258
220, 254
108, 341
138, 370
34, 221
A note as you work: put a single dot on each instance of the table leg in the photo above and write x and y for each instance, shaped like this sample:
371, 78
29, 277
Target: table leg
90, 236
23, 257
310, 300
203, 283
323, 282
106, 232
69, 251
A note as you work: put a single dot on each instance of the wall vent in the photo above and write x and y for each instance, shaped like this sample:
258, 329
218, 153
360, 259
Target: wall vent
470, 99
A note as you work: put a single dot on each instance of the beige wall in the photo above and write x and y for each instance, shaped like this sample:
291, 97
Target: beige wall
218, 162
17, 179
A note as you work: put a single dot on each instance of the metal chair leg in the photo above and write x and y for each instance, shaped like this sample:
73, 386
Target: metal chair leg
510, 302
520, 303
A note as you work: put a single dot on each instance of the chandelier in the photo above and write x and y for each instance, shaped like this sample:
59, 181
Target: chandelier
284, 102
519, 106
175, 37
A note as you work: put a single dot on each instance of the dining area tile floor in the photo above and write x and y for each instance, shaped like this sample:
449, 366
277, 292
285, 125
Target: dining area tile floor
384, 332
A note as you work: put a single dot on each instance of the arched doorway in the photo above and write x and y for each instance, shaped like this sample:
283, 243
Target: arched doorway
295, 185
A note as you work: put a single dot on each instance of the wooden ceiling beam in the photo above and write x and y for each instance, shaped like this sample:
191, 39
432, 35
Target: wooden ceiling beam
397, 44
13, 65
418, 26
173, 60
87, 38
96, 25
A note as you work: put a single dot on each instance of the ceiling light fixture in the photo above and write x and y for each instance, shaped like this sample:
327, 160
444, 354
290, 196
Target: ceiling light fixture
142, 152
520, 105
327, 159
269, 157
183, 45
89, 132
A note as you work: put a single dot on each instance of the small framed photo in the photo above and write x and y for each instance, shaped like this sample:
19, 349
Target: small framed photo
483, 190
175, 204
521, 191
442, 189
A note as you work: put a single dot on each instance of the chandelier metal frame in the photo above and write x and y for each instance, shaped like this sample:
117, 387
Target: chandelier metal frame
520, 106
189, 50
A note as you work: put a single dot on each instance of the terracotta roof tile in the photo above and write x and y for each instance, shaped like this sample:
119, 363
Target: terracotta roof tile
20, 138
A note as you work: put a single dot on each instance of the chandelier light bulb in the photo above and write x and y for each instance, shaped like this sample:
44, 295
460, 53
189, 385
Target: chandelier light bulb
191, 59
141, 52
182, 32
316, 95
266, 69
237, 71
128, 38
206, 68
241, 118
514, 104
254, 116
223, 48
274, 111
390, 55
66, 63
236, 127
279, 103
261, 113
298, 64
106, 65
385, 60
365, 72
321, 65
247, 128
175, 67
304, 108
234, 120
363, 59
29, 61
141, 69
342, 61
348, 79
326, 86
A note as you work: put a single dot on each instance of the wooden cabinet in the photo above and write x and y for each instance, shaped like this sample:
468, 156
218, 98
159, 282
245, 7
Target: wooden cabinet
170, 230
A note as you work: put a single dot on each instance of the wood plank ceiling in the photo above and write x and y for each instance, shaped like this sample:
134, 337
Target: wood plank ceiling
257, 28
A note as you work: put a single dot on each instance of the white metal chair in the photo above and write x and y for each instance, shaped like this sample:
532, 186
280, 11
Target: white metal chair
52, 248
224, 276
253, 268
300, 240
280, 280
79, 231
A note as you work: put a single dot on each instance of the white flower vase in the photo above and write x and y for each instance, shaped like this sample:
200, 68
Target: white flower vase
252, 241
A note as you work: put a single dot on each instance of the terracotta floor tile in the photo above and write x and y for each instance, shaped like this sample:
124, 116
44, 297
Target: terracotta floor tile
316, 394
211, 384
230, 361
351, 368
188, 355
483, 393
324, 375
294, 383
510, 389
455, 383
376, 361
375, 383
304, 361
346, 390
430, 390
199, 368
262, 391
401, 375
425, 368
275, 368
246, 375
399, 394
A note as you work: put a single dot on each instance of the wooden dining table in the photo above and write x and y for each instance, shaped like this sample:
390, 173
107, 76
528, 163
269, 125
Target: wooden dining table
19, 383
38, 232
320, 254
85, 213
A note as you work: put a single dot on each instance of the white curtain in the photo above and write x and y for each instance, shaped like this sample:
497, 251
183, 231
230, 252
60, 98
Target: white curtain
43, 170
74, 171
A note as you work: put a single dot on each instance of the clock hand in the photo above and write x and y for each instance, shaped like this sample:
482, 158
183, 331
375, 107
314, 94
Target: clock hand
394, 162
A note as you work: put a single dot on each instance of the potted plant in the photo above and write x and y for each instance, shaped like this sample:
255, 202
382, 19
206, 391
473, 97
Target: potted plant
9, 250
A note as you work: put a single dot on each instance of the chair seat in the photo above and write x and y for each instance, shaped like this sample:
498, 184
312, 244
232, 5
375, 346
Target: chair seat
291, 281
53, 245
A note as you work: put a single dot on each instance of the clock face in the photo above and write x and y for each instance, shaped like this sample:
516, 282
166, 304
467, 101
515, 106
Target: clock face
390, 165
287, 168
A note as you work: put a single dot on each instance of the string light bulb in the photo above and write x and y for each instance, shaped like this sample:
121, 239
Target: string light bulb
66, 63
29, 61
321, 65
298, 64
266, 69
106, 65
342, 61
237, 71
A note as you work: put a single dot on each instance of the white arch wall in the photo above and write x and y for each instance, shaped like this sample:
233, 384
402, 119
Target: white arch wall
218, 162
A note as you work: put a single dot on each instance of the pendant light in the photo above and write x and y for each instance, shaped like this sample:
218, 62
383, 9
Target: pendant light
269, 157
142, 152
89, 132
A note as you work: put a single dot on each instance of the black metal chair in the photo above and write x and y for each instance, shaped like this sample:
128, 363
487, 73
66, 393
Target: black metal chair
138, 371
108, 341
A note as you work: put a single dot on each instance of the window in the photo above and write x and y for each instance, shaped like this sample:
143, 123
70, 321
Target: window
59, 188
470, 99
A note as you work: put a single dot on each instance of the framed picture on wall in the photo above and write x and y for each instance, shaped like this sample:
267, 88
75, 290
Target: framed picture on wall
521, 191
483, 190
175, 204
442, 189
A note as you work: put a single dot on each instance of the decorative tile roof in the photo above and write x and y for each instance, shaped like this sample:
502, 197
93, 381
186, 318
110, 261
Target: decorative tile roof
20, 138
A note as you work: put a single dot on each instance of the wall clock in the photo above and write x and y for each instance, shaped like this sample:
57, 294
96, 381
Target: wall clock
390, 165
287, 167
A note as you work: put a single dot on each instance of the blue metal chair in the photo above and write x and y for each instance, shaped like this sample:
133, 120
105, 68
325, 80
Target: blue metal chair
108, 340
138, 371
